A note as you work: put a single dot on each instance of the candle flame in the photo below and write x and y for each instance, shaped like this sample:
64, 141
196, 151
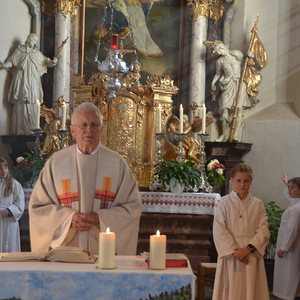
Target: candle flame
180, 105
157, 233
38, 102
107, 230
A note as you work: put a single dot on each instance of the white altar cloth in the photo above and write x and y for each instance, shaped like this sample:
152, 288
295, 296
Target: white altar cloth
184, 203
131, 280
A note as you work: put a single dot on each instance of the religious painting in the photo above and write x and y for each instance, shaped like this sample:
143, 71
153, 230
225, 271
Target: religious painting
153, 28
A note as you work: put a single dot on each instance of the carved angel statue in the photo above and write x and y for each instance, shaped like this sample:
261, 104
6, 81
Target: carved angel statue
52, 141
190, 144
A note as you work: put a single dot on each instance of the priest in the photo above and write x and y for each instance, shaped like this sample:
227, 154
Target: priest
84, 189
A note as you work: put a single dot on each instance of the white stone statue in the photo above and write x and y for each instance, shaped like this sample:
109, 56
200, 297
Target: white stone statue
27, 65
228, 73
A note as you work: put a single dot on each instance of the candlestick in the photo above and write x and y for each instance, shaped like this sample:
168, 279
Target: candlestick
180, 119
114, 42
205, 186
64, 115
107, 242
38, 114
159, 119
158, 246
203, 118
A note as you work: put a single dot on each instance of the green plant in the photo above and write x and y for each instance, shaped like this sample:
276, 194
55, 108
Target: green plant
28, 168
168, 172
274, 214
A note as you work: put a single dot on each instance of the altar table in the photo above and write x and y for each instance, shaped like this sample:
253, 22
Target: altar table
131, 280
184, 203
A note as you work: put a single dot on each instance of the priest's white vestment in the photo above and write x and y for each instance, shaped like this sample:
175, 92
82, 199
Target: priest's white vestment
72, 182
9, 226
236, 224
286, 283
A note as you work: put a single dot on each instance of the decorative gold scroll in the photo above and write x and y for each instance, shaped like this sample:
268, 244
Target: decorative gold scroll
51, 8
211, 9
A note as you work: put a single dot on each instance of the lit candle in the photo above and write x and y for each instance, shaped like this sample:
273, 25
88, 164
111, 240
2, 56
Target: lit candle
203, 118
64, 115
180, 119
159, 118
158, 246
38, 114
114, 42
107, 245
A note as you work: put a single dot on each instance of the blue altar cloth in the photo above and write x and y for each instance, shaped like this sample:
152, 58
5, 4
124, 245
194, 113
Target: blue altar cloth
131, 280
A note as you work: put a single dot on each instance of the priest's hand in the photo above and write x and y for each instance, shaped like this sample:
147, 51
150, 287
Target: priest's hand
241, 254
82, 222
95, 217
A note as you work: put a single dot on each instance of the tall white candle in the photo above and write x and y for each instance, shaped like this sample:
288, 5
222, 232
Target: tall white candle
159, 118
64, 115
107, 245
38, 114
180, 119
158, 246
203, 118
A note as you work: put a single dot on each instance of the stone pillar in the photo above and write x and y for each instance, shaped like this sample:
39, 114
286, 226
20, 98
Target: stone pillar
201, 11
61, 82
198, 62
63, 10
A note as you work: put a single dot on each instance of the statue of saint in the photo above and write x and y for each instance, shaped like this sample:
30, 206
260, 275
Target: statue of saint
28, 64
228, 74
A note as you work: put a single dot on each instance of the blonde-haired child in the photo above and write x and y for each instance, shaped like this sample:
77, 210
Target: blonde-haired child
11, 209
240, 232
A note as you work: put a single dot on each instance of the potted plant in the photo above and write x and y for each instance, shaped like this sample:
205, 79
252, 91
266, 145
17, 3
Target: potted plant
274, 214
183, 173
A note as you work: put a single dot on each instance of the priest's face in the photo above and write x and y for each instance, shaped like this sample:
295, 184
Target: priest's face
241, 183
87, 131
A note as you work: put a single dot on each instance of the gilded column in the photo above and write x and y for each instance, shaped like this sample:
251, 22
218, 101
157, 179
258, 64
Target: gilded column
200, 11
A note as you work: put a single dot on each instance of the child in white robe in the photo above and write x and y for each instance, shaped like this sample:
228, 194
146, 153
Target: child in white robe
240, 232
287, 260
11, 209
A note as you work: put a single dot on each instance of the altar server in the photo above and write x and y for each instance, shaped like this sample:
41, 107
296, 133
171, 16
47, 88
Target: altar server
84, 189
11, 209
287, 259
240, 232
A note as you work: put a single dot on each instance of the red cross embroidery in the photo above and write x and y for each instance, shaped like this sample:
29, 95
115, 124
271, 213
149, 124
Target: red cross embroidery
67, 198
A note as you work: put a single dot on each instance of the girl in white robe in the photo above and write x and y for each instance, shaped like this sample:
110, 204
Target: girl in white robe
11, 209
287, 260
240, 232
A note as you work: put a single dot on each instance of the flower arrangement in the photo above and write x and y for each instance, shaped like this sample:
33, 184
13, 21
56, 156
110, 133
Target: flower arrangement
215, 171
28, 168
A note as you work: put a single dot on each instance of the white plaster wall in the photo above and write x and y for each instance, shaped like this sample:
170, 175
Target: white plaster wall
15, 26
273, 126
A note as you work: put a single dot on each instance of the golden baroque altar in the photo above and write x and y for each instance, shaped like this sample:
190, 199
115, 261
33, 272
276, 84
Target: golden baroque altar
130, 120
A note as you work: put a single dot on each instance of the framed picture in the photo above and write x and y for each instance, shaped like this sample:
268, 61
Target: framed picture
158, 35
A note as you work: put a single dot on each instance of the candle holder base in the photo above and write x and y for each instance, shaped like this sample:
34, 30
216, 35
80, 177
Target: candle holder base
205, 186
63, 134
180, 137
37, 132
159, 136
97, 267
